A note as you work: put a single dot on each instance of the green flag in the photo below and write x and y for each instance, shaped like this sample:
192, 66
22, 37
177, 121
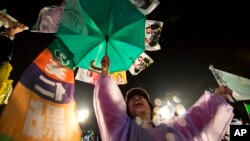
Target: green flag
247, 106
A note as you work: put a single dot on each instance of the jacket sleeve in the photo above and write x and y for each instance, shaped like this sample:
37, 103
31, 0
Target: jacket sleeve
110, 107
208, 119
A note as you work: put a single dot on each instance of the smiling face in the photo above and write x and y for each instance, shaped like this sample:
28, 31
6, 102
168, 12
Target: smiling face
138, 106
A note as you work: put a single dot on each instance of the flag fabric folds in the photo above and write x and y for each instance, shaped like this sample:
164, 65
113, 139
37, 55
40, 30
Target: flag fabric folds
42, 106
5, 83
239, 85
49, 19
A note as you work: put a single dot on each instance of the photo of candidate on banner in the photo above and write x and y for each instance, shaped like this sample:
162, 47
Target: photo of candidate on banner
120, 77
140, 64
90, 76
152, 35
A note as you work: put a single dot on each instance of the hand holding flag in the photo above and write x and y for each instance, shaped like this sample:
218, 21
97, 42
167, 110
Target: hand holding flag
239, 85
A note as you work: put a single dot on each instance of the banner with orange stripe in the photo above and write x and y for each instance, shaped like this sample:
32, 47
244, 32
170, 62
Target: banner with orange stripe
42, 106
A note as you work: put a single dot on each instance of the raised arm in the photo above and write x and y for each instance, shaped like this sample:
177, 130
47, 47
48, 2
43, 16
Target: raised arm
109, 104
11, 25
209, 117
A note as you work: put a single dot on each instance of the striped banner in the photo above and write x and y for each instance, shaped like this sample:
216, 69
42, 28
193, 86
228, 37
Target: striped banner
42, 106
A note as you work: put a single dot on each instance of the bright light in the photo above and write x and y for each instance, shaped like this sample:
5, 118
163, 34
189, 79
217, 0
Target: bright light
82, 115
165, 113
180, 109
176, 99
158, 102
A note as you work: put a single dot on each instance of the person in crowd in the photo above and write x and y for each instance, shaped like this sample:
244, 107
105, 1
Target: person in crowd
131, 118
9, 28
8, 31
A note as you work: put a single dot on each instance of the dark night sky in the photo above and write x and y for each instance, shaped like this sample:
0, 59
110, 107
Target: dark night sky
195, 35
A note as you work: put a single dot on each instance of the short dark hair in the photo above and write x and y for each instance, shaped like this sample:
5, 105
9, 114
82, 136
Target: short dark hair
138, 91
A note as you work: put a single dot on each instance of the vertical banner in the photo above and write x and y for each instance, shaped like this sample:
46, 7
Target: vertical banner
42, 106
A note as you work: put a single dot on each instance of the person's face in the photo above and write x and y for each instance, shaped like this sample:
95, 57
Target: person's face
140, 59
148, 30
89, 73
119, 76
138, 105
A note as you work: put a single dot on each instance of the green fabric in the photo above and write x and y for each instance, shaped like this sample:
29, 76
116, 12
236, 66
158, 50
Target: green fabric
247, 106
5, 138
61, 53
89, 26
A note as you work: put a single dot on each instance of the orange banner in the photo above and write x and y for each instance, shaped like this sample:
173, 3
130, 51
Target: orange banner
28, 117
45, 61
42, 106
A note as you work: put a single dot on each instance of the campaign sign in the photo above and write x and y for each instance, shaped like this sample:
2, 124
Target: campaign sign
239, 132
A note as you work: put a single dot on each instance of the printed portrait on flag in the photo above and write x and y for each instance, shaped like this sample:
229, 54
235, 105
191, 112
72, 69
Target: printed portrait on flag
120, 77
91, 76
87, 76
152, 35
140, 64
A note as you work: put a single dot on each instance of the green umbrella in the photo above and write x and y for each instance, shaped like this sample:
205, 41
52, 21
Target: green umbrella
90, 29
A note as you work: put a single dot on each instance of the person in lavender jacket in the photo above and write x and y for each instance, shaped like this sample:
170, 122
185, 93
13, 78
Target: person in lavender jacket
207, 120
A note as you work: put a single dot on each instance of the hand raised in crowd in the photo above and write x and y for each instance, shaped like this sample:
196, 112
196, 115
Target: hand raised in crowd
223, 91
105, 64
16, 28
12, 26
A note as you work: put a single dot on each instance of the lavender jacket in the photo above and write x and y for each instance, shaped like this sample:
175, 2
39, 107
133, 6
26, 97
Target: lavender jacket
207, 120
